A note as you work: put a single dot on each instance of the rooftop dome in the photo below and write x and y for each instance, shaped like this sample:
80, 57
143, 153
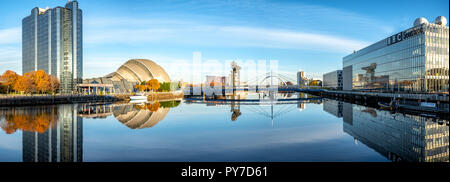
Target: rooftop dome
441, 20
420, 21
138, 70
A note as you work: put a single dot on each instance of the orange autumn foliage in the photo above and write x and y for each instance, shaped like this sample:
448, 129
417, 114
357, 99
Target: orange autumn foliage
11, 78
41, 80
36, 122
36, 82
153, 107
25, 83
153, 84
150, 106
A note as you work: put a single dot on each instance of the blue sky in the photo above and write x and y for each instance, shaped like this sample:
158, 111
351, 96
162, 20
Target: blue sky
309, 35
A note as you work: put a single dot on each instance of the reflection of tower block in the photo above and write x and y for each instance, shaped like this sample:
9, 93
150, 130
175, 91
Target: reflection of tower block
235, 75
236, 111
370, 73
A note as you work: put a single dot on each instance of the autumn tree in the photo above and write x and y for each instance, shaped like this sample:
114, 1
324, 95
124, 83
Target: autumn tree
11, 78
140, 87
41, 80
54, 84
153, 84
36, 81
25, 83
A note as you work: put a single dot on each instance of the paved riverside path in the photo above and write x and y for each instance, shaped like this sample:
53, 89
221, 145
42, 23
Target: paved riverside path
27, 100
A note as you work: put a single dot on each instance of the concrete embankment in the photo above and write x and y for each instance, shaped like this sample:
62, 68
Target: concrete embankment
164, 96
409, 101
6, 101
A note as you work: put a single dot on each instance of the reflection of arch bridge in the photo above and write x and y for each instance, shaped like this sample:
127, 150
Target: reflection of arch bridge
271, 109
282, 79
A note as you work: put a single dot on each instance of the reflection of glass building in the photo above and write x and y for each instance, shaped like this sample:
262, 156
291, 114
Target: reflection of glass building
52, 41
415, 60
333, 107
398, 137
63, 143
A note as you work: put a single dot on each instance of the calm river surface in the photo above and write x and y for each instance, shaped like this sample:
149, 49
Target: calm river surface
310, 130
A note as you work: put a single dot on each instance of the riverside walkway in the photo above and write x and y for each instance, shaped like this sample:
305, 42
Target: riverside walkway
27, 100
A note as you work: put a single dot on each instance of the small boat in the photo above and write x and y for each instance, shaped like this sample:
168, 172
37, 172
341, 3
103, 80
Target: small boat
138, 97
138, 101
384, 105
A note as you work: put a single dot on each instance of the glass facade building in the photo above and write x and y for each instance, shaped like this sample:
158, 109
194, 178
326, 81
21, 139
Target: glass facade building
333, 79
415, 60
52, 41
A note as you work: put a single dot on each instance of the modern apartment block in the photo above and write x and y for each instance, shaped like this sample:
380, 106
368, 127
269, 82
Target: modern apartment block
301, 78
333, 80
415, 60
52, 40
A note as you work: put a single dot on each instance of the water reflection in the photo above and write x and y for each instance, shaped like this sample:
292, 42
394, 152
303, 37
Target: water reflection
55, 133
134, 116
49, 133
256, 103
398, 137
140, 116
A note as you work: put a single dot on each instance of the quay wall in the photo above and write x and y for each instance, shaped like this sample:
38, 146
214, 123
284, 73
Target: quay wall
30, 100
164, 96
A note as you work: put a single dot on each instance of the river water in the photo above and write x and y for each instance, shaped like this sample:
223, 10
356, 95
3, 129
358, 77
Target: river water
306, 130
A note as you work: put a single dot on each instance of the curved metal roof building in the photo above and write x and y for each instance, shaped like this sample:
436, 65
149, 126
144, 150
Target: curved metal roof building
138, 70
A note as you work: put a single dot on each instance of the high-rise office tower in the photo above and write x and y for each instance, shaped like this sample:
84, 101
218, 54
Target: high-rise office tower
52, 40
300, 78
414, 61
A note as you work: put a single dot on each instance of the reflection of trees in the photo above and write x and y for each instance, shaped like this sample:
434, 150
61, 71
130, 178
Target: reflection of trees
149, 106
170, 104
154, 106
236, 110
371, 111
25, 119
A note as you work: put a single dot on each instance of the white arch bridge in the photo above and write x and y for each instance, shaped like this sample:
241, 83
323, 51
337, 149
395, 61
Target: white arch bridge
269, 81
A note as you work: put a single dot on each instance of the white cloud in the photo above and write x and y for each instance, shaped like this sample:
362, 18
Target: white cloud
11, 35
187, 33
10, 58
10, 50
